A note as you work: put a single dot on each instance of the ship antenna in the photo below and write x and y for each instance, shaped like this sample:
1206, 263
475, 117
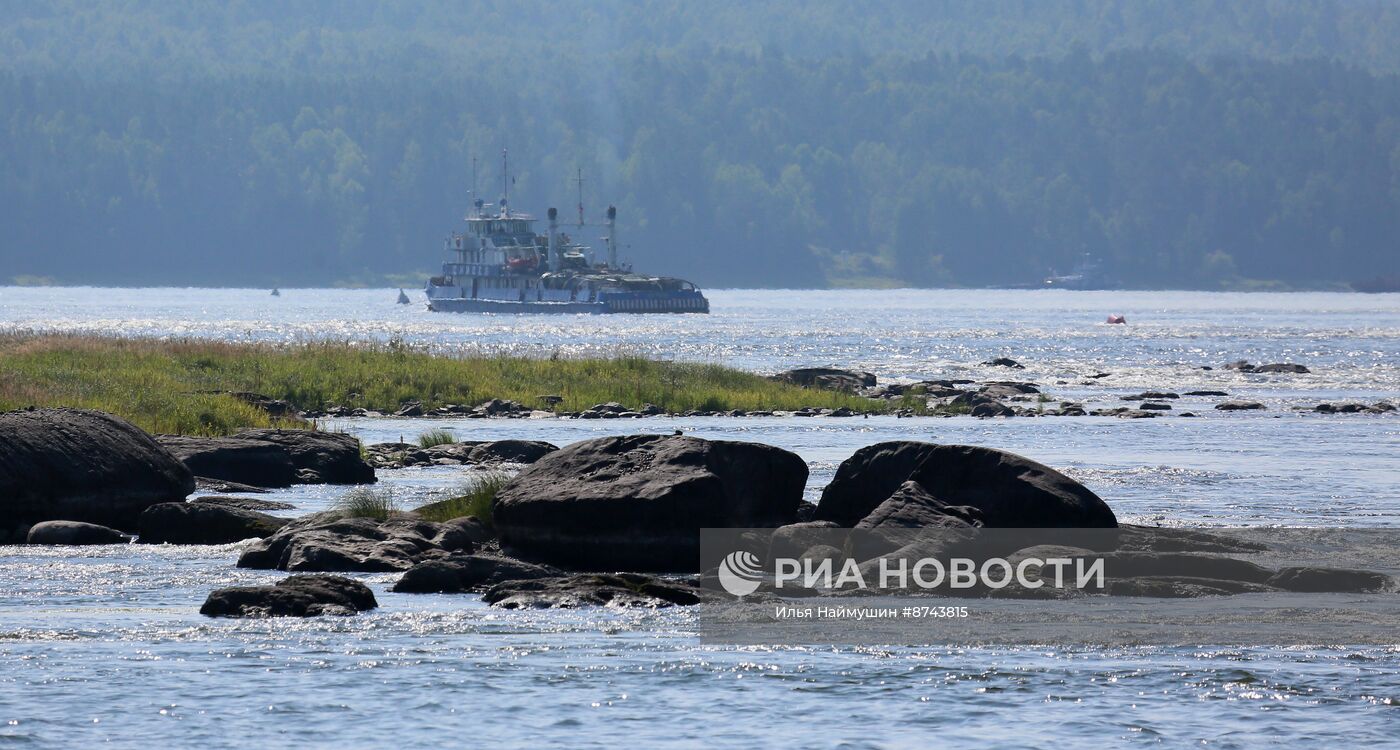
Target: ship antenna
473, 178
580, 197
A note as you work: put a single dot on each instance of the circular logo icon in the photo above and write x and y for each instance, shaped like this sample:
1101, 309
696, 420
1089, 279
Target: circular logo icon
740, 573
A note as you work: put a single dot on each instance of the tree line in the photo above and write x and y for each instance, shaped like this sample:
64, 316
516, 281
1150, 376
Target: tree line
325, 158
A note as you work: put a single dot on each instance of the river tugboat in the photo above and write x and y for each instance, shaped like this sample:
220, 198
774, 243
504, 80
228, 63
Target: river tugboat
501, 265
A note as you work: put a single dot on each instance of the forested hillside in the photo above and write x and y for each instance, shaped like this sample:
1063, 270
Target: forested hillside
1188, 144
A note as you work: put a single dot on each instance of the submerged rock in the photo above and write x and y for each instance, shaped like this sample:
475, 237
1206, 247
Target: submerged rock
81, 465
1328, 580
294, 596
1005, 362
73, 533
1289, 367
1239, 406
1149, 395
619, 590
464, 573
1180, 587
638, 502
204, 523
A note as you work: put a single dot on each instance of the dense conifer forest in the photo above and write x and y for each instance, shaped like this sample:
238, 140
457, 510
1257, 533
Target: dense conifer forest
780, 143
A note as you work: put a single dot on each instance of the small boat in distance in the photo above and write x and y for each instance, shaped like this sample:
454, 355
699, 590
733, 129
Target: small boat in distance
403, 298
276, 293
1088, 273
501, 264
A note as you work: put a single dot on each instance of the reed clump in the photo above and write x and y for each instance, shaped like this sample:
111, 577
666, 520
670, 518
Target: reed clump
476, 497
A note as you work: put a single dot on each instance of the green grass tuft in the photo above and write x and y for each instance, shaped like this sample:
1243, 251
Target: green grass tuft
475, 498
367, 502
435, 437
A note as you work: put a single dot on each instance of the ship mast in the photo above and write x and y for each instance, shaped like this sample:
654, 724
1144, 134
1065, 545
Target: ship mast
580, 197
505, 181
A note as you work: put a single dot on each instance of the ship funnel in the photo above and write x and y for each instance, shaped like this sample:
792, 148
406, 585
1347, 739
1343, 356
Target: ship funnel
612, 236
556, 261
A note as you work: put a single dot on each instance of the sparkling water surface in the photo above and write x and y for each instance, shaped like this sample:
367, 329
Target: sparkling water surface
105, 644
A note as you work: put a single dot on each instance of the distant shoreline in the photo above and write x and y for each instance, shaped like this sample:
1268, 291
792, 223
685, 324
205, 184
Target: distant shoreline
1331, 288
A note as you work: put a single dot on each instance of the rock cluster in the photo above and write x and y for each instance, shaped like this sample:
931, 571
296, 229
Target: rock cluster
1284, 367
329, 542
1381, 407
470, 453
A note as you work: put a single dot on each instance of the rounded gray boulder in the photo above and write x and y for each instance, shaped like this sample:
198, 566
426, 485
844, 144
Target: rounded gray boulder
74, 533
638, 502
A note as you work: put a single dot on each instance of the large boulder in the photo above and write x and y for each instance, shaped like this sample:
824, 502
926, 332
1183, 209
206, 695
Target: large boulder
81, 465
204, 523
328, 542
638, 502
74, 533
256, 462
1001, 489
293, 596
329, 457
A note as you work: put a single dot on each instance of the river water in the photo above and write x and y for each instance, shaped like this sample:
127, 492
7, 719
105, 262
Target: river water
105, 644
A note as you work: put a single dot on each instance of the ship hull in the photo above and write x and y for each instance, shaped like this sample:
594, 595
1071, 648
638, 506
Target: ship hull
624, 303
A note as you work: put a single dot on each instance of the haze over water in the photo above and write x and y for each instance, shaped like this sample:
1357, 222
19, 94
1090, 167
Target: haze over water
106, 643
